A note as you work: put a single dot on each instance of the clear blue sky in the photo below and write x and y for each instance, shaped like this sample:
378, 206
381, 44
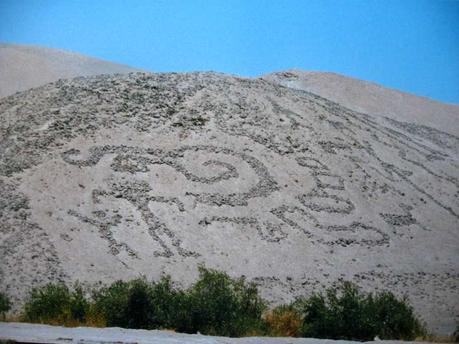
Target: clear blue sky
408, 45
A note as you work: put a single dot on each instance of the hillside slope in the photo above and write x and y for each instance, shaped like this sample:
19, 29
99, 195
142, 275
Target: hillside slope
23, 67
370, 98
110, 177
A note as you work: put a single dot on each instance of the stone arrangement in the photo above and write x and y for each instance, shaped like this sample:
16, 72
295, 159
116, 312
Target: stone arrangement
114, 177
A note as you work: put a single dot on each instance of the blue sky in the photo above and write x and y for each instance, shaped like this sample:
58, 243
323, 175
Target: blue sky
408, 45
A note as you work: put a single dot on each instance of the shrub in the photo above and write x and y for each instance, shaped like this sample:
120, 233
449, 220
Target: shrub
182, 316
394, 318
5, 304
55, 303
137, 304
139, 310
111, 302
167, 304
220, 305
79, 305
347, 313
284, 321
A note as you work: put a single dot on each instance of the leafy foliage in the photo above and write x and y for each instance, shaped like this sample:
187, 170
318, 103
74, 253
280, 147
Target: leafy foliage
394, 318
56, 303
5, 304
137, 304
111, 302
168, 304
217, 304
347, 313
220, 305
139, 310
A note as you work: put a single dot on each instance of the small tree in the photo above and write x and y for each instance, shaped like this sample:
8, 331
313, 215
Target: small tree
5, 305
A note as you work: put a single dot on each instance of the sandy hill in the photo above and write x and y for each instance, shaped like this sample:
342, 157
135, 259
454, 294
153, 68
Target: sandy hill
367, 97
23, 67
114, 176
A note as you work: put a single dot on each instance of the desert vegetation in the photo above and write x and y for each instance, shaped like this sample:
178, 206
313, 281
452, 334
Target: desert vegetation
5, 305
217, 304
347, 313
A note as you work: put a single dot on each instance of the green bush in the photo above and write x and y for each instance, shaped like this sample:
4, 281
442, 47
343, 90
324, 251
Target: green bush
170, 306
139, 308
111, 302
220, 305
215, 304
79, 305
137, 304
347, 313
5, 304
55, 303
394, 318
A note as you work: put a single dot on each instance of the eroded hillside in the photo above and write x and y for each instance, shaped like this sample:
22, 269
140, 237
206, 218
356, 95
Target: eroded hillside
114, 176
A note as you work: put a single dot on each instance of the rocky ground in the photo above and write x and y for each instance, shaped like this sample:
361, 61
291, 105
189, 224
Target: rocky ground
371, 98
112, 177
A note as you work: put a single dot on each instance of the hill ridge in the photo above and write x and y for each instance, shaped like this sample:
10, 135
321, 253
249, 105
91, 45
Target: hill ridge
27, 66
